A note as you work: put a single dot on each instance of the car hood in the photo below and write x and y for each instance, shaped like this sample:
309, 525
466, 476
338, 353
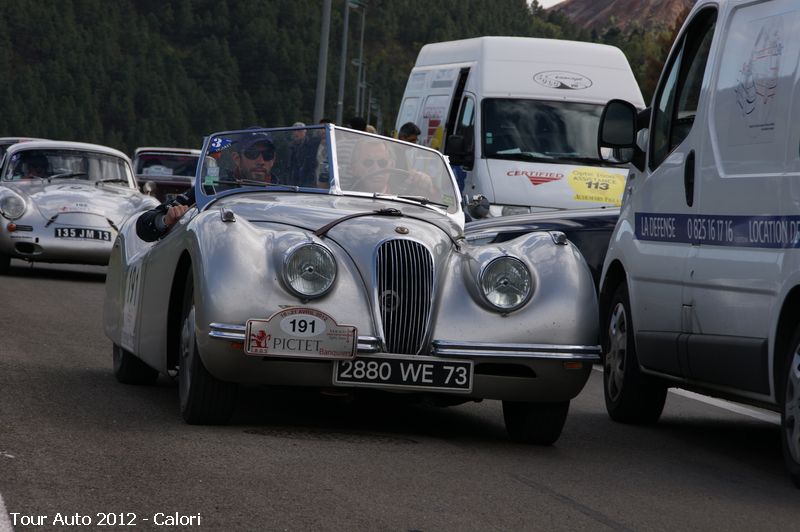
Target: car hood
110, 201
557, 186
314, 211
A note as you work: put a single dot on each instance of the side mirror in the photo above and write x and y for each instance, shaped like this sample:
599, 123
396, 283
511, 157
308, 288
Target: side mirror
616, 139
459, 150
478, 207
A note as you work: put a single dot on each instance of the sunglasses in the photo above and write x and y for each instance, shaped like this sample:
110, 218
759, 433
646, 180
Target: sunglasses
382, 163
267, 154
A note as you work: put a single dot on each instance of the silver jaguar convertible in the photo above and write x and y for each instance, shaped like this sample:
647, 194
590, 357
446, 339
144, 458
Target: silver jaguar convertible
338, 261
64, 201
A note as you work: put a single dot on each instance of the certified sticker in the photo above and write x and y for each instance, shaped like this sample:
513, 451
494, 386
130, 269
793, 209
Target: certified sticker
301, 332
597, 185
560, 79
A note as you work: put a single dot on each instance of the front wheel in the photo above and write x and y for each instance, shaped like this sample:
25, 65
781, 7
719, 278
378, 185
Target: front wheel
537, 423
131, 370
631, 396
205, 400
790, 411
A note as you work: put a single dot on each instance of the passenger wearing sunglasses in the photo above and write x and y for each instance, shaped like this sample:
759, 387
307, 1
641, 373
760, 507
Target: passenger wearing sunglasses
253, 160
370, 165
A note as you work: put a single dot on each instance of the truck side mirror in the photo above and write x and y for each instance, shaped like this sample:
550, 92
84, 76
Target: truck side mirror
616, 139
460, 151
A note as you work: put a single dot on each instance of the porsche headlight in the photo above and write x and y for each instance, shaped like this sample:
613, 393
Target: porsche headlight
12, 206
506, 283
309, 270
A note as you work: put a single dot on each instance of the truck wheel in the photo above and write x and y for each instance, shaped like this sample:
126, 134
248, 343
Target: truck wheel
631, 396
128, 369
537, 423
204, 399
790, 411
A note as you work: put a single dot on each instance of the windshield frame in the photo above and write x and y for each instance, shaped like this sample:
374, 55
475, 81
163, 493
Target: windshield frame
204, 199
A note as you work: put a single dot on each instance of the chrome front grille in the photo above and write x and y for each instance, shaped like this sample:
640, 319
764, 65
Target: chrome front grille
405, 292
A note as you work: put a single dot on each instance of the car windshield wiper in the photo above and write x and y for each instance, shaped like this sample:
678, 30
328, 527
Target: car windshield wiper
422, 200
112, 180
255, 183
521, 156
66, 175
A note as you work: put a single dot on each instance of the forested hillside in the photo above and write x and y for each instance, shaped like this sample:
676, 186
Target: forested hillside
166, 72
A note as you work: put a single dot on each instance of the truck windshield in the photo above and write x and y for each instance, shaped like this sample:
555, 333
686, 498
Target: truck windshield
542, 130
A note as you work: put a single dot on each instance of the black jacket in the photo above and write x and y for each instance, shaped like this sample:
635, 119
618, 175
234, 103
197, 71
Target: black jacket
150, 225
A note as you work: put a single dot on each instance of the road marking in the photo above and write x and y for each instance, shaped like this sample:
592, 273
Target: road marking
756, 413
5, 520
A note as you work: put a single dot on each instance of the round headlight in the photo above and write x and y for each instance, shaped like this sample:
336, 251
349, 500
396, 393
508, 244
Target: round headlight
506, 283
310, 270
12, 206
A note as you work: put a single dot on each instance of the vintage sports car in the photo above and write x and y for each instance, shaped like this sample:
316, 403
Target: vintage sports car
165, 172
64, 201
5, 142
364, 280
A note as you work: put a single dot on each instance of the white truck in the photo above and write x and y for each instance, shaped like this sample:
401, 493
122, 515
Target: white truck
520, 116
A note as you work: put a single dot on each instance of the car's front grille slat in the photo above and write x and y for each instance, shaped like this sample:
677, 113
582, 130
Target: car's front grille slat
405, 293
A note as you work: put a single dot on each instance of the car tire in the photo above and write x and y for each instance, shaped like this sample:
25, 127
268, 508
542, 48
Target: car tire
204, 399
5, 264
536, 423
630, 395
128, 369
790, 410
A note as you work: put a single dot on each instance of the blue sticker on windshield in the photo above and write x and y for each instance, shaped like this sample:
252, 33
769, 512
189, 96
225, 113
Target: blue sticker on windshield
219, 144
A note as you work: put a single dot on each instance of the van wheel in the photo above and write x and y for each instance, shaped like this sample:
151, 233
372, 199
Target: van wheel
790, 411
128, 369
631, 397
537, 423
204, 399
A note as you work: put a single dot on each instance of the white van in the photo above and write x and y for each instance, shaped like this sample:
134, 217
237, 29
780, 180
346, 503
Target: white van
520, 115
701, 283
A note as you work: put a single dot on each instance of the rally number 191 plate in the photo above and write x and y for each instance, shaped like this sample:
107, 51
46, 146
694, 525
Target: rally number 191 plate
301, 332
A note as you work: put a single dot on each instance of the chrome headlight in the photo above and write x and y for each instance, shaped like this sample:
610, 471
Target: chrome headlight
12, 206
309, 270
506, 283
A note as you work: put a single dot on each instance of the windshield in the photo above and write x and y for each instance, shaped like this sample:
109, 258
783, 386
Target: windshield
165, 164
534, 129
298, 160
67, 164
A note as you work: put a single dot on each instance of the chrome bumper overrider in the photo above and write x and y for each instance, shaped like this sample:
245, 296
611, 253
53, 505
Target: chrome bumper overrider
449, 349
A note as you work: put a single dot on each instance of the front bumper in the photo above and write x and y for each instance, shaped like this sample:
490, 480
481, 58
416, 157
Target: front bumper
515, 372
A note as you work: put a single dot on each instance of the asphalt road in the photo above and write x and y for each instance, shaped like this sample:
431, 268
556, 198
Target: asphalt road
78, 447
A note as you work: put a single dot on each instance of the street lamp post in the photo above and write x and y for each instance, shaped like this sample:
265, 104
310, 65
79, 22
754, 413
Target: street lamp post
322, 66
359, 95
343, 64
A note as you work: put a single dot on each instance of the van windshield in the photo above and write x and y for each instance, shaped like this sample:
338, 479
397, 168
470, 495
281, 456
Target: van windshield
540, 130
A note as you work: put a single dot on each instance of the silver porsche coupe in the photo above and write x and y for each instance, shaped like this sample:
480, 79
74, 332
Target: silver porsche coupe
336, 259
64, 201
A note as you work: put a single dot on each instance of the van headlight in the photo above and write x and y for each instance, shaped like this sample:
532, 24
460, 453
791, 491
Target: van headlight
309, 270
12, 206
506, 283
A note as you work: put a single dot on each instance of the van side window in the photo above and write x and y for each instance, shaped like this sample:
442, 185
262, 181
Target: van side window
679, 93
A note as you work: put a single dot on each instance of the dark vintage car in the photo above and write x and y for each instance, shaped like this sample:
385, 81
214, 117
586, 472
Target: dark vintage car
589, 229
165, 172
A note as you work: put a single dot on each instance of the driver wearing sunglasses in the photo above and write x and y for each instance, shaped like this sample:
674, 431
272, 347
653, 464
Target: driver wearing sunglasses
255, 159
